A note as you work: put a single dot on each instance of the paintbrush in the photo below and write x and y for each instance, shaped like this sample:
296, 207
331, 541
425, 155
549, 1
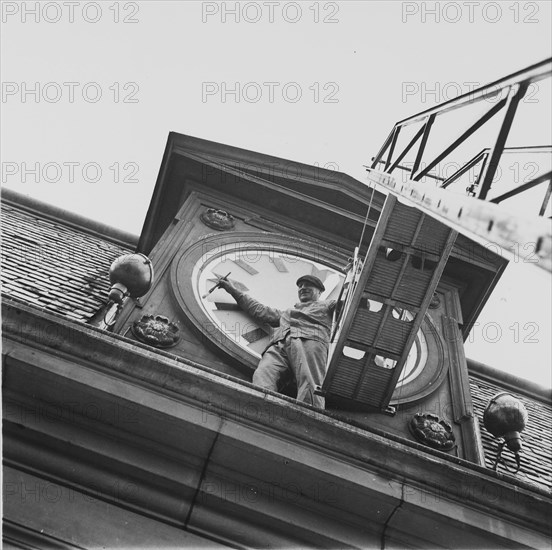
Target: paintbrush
225, 278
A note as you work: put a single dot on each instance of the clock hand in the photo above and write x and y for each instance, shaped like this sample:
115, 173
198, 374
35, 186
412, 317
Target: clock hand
331, 284
225, 278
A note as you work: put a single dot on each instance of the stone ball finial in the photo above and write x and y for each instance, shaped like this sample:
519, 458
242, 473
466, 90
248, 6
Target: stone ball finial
505, 416
130, 274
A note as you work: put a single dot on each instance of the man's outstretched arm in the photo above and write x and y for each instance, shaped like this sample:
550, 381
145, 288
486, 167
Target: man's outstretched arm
264, 314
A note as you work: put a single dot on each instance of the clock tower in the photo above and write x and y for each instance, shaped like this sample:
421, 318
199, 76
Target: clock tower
407, 301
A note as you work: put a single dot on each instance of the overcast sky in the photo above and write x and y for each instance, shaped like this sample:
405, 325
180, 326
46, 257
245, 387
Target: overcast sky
90, 91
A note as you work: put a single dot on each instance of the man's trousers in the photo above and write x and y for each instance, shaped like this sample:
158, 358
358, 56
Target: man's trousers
307, 360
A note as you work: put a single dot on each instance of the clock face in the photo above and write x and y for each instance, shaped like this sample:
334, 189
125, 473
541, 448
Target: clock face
417, 356
416, 360
267, 266
269, 276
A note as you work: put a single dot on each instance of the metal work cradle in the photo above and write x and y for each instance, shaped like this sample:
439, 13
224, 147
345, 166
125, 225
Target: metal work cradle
385, 301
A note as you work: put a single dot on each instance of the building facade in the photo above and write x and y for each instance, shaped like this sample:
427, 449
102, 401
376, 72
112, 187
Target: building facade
144, 430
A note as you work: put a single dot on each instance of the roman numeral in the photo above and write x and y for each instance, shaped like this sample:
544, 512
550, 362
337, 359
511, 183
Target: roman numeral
280, 265
320, 273
223, 306
246, 267
253, 336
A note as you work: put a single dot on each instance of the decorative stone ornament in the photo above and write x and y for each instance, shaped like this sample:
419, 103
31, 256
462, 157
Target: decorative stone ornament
218, 219
505, 416
431, 431
156, 331
130, 275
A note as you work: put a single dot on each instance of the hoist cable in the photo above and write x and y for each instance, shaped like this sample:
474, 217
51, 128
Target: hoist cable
367, 215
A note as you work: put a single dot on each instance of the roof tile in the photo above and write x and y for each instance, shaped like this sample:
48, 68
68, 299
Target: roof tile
536, 455
55, 266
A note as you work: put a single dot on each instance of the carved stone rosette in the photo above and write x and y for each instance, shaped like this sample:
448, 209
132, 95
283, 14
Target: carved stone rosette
429, 430
218, 219
156, 331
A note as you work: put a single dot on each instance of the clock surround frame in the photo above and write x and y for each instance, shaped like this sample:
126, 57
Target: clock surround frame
211, 246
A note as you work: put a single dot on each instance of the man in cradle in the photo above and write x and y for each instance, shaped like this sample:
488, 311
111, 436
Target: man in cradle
300, 341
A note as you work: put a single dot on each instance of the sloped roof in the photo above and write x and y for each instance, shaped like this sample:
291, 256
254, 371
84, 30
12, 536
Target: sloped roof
536, 455
54, 266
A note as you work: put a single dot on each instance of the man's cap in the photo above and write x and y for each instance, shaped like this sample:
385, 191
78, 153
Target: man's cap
313, 281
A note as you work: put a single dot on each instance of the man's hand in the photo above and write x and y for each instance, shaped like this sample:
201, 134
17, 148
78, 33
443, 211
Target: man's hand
227, 285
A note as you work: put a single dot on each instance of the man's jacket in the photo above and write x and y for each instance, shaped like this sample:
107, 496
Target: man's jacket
310, 320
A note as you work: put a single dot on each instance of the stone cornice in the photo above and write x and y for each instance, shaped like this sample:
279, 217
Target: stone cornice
315, 443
